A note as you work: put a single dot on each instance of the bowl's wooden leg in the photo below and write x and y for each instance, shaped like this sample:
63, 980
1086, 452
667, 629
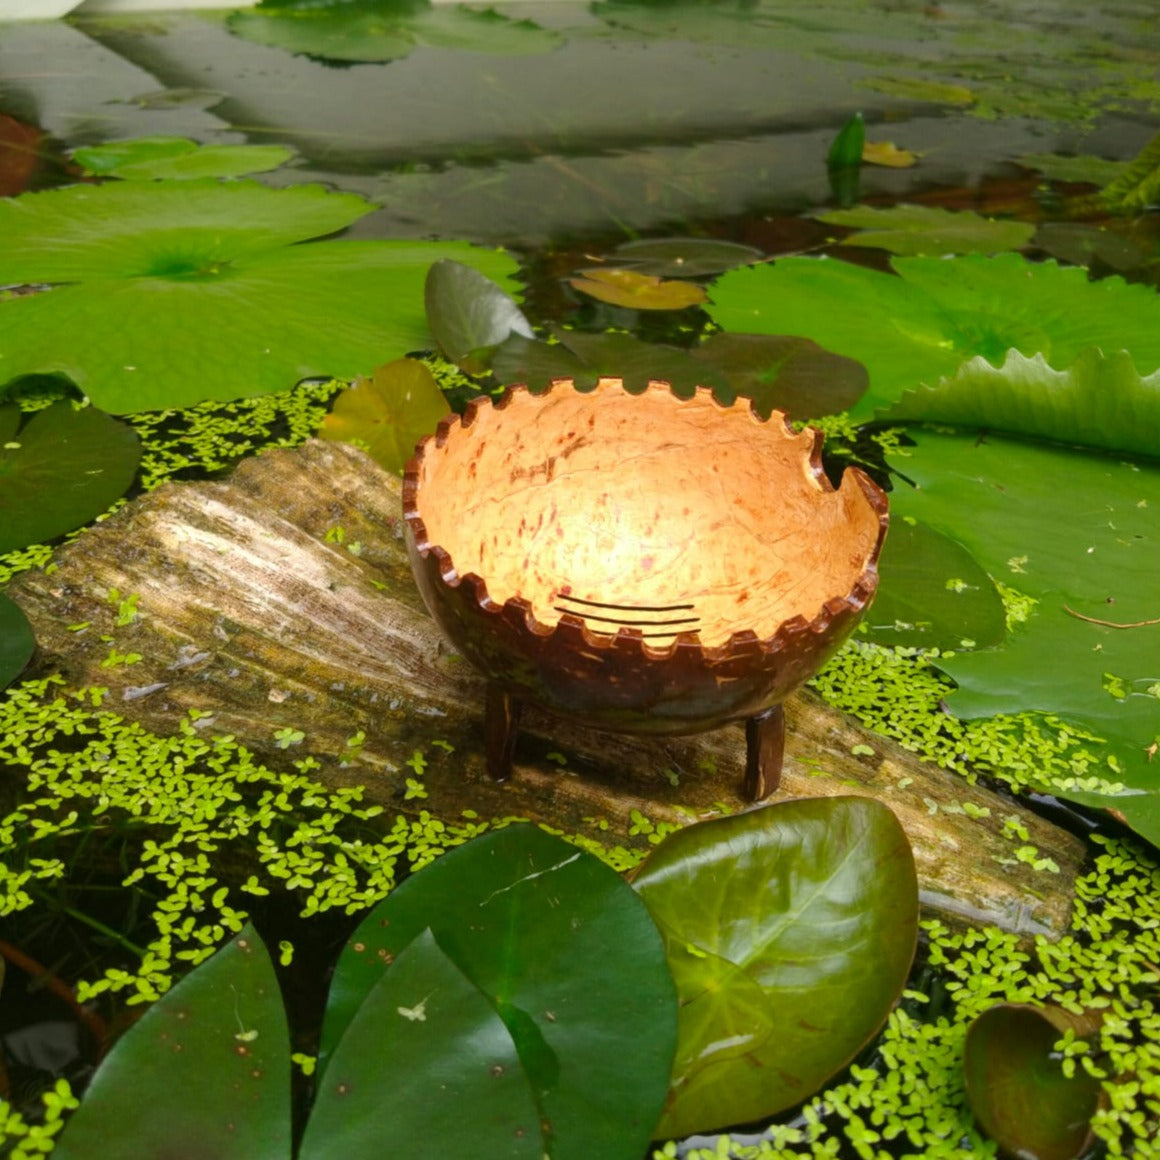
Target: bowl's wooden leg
765, 748
502, 720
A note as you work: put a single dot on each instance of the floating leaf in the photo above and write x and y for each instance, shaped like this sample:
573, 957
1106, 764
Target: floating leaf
383, 30
568, 957
63, 468
1084, 245
918, 89
467, 312
1083, 167
684, 257
1099, 401
1017, 1089
536, 364
938, 313
17, 643
887, 154
1077, 532
933, 594
177, 158
785, 373
790, 931
388, 413
637, 291
192, 290
426, 1058
220, 1033
923, 229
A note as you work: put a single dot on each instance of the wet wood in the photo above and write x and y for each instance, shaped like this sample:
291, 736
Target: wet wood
282, 598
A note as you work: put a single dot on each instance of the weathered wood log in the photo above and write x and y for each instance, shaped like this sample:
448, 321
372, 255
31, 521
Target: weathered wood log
282, 598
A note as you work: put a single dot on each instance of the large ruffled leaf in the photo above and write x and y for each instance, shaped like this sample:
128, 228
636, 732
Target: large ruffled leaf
1099, 401
920, 326
1077, 532
566, 954
790, 931
925, 229
192, 290
205, 1072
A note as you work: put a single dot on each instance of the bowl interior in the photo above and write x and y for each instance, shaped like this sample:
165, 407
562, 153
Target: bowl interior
644, 511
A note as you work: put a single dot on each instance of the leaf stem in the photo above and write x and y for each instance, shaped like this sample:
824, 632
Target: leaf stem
1109, 623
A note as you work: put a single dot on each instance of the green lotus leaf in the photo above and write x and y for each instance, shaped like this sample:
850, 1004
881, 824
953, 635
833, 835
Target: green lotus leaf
923, 229
790, 374
790, 930
467, 313
426, 1058
383, 30
62, 469
567, 956
1099, 401
188, 291
17, 643
1076, 531
683, 257
177, 158
388, 413
219, 1035
1017, 1089
920, 326
932, 594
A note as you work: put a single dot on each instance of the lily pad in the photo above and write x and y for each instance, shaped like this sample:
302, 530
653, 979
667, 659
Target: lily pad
567, 956
17, 643
388, 413
1079, 167
426, 1058
887, 154
1076, 531
637, 291
1084, 245
62, 469
383, 30
920, 326
932, 594
177, 158
185, 291
1099, 401
790, 931
1017, 1089
684, 257
784, 373
923, 229
468, 313
222, 1033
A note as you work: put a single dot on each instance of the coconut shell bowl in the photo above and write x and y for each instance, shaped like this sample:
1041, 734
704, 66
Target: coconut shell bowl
641, 563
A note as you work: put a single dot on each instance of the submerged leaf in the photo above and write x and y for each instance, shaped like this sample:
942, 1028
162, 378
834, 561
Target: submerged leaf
62, 469
207, 1066
922, 229
1017, 1088
565, 953
177, 158
17, 643
388, 413
1099, 401
790, 931
937, 313
637, 291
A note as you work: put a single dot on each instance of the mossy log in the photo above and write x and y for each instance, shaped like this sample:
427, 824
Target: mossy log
281, 599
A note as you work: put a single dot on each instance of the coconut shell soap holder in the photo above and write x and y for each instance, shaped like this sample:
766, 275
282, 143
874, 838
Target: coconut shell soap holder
641, 563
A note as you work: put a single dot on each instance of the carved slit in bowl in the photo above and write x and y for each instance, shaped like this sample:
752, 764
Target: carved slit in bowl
667, 564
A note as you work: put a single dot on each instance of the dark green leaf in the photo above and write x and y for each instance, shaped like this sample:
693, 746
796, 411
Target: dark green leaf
17, 643
1099, 401
932, 594
1017, 1089
425, 1059
922, 229
786, 373
177, 158
790, 931
570, 960
467, 312
1084, 245
922, 325
535, 363
63, 468
205, 1073
846, 148
1083, 168
683, 257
